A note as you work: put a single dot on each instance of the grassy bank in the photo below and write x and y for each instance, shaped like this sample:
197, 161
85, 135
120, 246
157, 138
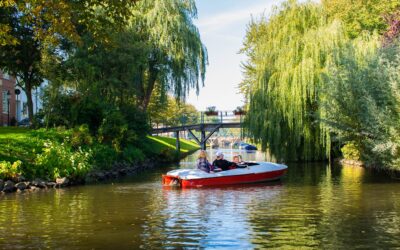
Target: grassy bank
54, 153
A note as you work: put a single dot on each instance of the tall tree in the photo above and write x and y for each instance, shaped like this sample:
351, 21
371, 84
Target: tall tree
27, 28
177, 58
22, 59
287, 55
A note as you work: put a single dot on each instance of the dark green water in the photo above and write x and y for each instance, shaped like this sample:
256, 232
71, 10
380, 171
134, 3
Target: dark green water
315, 206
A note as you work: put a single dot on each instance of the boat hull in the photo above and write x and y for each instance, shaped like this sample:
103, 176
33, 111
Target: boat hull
174, 180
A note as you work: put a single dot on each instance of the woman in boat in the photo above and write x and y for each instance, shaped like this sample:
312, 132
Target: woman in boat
202, 163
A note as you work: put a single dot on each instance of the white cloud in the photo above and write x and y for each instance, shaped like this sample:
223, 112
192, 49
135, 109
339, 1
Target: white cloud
221, 20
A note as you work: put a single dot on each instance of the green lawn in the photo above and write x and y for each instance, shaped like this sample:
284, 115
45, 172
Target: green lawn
24, 144
160, 143
17, 144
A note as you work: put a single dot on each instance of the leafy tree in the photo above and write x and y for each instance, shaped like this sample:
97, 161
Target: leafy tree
361, 15
287, 55
362, 101
170, 112
65, 18
27, 28
22, 59
176, 56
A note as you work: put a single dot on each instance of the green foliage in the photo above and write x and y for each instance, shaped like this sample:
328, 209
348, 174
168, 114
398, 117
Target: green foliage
362, 101
287, 54
168, 111
176, 56
103, 156
51, 19
59, 152
310, 86
81, 137
60, 160
351, 151
133, 154
10, 170
359, 16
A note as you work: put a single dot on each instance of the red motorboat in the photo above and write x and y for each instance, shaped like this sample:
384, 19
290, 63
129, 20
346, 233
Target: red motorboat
249, 172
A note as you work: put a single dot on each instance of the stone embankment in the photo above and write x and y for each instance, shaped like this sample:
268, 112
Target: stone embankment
118, 170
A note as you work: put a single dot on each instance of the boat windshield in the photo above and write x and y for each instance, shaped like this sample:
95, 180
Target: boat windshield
246, 164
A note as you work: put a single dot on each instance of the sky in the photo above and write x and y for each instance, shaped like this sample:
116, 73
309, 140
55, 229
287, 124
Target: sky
222, 25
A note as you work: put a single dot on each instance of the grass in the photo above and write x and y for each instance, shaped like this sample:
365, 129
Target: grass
28, 145
159, 143
18, 144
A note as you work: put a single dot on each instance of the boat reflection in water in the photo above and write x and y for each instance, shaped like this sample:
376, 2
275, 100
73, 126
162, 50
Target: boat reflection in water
207, 217
315, 206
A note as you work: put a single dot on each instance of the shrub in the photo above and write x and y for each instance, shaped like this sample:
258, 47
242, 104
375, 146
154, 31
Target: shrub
103, 156
114, 130
81, 137
351, 152
59, 160
10, 170
133, 154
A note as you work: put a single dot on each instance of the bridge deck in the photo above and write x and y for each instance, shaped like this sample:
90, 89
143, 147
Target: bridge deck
198, 127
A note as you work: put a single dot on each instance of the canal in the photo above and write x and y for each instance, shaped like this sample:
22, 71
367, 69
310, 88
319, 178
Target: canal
314, 206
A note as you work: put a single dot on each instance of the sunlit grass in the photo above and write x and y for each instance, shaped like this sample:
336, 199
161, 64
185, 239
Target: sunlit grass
13, 133
160, 142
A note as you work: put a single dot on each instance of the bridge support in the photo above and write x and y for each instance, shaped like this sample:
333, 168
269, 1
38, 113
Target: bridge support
178, 143
203, 142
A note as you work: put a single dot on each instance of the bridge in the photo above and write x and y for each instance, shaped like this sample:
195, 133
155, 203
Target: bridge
210, 122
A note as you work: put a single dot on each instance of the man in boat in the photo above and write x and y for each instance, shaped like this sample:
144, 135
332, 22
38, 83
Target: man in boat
221, 163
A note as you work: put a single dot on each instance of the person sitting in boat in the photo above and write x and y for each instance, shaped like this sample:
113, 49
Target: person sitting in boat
223, 164
202, 163
237, 159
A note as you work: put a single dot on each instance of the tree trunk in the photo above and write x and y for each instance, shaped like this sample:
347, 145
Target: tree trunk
28, 92
150, 86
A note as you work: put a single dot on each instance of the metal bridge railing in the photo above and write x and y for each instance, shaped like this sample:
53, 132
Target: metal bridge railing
205, 117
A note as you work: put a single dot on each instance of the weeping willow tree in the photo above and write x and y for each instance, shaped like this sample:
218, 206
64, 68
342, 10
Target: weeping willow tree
287, 57
177, 58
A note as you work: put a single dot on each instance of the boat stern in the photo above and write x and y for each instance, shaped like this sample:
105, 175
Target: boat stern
168, 180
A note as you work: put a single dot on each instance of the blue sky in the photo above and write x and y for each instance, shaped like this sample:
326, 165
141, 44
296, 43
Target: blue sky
222, 25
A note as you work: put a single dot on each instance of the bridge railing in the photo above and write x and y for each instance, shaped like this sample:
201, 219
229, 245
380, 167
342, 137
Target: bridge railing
204, 117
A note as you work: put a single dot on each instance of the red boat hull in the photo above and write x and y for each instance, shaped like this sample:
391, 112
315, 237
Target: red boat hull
223, 180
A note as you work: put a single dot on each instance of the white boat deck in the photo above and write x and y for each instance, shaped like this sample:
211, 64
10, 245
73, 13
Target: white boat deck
262, 167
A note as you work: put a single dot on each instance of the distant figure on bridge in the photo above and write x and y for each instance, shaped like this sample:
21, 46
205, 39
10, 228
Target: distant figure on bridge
223, 164
202, 163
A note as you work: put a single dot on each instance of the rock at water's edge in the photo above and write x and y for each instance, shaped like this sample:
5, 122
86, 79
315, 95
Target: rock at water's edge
9, 187
39, 183
62, 181
1, 185
21, 186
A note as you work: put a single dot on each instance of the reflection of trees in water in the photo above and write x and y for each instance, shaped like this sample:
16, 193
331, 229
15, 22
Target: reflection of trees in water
41, 219
201, 217
315, 206
332, 209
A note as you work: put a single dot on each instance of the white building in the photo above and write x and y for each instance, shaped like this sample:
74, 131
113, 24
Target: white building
22, 103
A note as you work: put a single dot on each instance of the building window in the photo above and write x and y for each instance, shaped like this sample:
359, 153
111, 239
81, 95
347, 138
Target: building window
4, 101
